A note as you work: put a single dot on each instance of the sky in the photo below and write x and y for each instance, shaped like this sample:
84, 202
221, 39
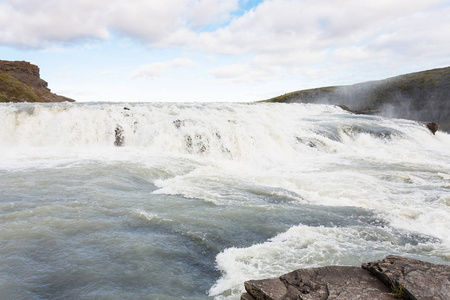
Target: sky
220, 50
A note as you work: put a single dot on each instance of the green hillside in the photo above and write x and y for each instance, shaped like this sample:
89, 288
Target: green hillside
12, 90
20, 82
422, 96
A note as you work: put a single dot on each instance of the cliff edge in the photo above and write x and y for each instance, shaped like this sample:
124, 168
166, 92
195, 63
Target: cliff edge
20, 82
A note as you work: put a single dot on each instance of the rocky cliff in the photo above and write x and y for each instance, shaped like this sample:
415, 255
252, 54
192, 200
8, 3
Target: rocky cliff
422, 96
20, 82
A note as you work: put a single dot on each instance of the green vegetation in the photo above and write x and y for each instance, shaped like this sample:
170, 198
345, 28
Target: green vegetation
12, 90
398, 291
416, 86
306, 96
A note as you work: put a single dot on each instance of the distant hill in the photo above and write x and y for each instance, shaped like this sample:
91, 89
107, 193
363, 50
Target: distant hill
422, 96
20, 82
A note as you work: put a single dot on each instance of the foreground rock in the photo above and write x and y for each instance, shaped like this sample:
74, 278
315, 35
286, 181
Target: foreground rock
392, 278
418, 279
20, 82
320, 283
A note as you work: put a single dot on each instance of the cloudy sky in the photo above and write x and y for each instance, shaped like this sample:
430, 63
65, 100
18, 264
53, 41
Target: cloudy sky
220, 50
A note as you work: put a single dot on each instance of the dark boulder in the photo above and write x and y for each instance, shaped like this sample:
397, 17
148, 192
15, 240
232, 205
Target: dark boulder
433, 127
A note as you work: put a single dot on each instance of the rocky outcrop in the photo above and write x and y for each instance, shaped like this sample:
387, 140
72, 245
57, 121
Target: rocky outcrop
24, 72
20, 82
391, 278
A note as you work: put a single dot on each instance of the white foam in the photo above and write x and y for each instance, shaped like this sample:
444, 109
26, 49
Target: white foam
151, 217
225, 153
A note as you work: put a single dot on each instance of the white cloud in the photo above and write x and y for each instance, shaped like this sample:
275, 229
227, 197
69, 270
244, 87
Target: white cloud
155, 70
33, 23
150, 21
108, 72
418, 34
274, 39
296, 35
283, 25
246, 73
205, 12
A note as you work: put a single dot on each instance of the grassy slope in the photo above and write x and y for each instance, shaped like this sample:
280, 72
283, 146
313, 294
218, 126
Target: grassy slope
422, 96
12, 90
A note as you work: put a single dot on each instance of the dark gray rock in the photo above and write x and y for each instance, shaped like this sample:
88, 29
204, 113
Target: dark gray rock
332, 282
418, 279
266, 289
119, 137
247, 296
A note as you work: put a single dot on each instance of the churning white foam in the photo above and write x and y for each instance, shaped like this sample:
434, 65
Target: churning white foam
224, 154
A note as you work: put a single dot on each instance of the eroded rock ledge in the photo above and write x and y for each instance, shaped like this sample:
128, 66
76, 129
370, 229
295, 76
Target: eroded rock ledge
20, 82
394, 277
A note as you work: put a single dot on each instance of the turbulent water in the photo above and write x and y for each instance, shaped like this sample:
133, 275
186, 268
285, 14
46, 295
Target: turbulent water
188, 201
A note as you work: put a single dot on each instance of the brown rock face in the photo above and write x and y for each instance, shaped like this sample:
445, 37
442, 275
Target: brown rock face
24, 72
28, 74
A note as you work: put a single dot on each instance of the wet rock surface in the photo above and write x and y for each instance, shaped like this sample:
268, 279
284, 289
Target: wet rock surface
119, 137
394, 277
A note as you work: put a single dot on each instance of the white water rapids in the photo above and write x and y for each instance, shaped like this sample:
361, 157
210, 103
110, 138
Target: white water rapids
171, 201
